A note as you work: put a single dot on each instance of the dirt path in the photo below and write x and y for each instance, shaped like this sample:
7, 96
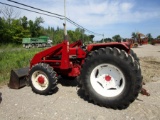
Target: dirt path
150, 62
67, 103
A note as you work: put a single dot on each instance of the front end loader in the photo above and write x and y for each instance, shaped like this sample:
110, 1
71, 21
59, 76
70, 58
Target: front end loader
18, 78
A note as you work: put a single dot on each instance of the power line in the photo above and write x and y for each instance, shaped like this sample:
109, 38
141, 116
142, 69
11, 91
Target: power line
69, 20
31, 10
60, 16
34, 8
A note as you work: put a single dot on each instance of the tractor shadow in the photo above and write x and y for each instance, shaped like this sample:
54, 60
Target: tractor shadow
67, 82
53, 91
74, 83
81, 94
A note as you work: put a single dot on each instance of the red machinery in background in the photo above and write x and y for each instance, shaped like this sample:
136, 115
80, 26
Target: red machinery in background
140, 40
155, 41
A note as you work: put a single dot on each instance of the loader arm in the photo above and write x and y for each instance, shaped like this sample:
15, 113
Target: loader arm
76, 44
61, 49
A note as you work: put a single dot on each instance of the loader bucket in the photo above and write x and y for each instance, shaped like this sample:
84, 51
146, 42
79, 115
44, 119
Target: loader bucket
18, 78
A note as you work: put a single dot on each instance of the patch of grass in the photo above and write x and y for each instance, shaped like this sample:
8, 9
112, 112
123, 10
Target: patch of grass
11, 58
10, 46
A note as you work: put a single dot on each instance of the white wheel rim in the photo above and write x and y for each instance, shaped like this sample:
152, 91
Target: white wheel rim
36, 83
107, 80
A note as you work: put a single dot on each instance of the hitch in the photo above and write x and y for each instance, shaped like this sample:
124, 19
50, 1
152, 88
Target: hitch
144, 91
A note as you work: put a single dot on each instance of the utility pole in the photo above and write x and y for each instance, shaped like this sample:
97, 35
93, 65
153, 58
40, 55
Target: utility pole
103, 38
64, 24
83, 36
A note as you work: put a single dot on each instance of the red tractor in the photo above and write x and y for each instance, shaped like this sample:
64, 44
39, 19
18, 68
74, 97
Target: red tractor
109, 73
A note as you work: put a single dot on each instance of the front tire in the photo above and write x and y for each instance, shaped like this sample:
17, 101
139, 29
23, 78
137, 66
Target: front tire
42, 79
111, 78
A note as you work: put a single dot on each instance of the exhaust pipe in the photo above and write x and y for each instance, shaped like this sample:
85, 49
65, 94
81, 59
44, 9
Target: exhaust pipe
18, 78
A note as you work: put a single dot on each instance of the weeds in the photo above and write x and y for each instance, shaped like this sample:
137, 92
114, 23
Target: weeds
10, 46
14, 58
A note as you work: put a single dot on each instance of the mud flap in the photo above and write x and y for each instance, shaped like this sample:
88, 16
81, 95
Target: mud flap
18, 78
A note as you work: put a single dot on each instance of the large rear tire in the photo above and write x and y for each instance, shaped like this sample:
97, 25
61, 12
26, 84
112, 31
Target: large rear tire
111, 78
134, 55
42, 79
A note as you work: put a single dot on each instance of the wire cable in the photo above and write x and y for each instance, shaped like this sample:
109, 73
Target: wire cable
59, 16
69, 20
31, 10
34, 8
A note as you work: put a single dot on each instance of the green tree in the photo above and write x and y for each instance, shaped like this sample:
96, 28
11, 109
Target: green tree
71, 35
13, 29
24, 22
79, 33
6, 32
32, 28
91, 38
47, 32
35, 27
150, 38
2, 30
17, 31
75, 35
58, 36
117, 38
158, 36
134, 35
106, 40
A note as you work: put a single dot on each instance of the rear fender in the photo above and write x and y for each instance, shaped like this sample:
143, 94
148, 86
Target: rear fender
122, 46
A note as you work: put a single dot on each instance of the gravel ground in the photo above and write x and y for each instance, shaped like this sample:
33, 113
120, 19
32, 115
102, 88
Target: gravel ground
68, 103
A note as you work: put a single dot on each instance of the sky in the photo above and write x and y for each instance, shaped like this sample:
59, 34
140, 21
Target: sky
108, 17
